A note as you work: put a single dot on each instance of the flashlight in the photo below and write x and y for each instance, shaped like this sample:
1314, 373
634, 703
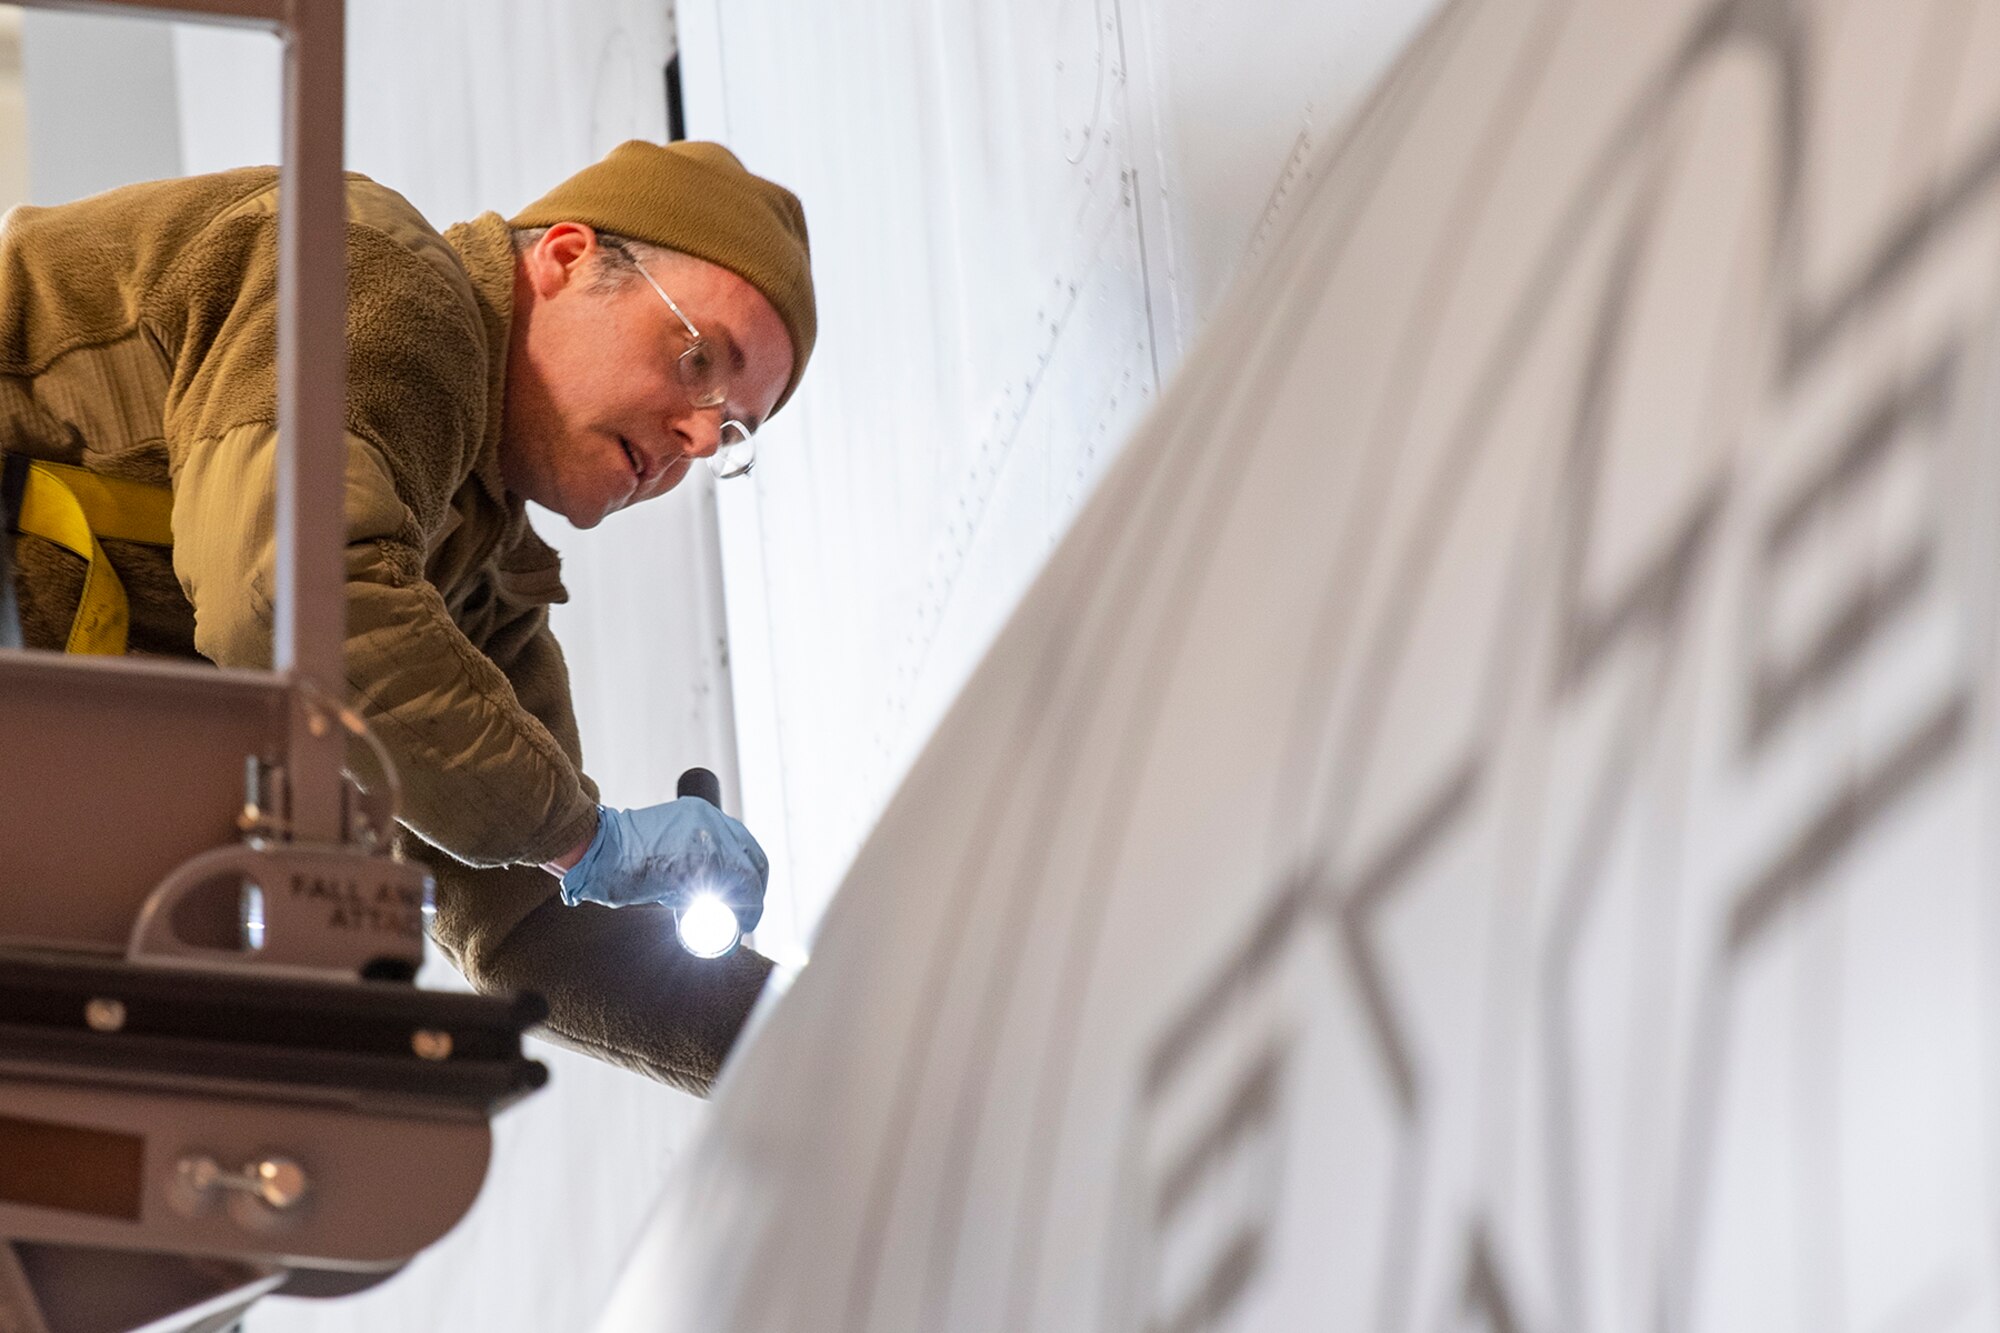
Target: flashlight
705, 923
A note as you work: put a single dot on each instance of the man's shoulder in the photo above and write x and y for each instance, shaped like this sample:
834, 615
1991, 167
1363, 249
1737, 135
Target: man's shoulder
371, 207
385, 212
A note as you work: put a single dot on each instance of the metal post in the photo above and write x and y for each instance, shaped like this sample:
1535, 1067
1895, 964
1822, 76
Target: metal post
310, 633
309, 647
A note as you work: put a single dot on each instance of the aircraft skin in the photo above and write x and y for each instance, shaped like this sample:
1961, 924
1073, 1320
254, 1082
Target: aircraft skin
1485, 820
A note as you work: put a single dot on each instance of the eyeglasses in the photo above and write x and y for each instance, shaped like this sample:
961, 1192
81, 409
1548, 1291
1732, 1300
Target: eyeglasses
707, 385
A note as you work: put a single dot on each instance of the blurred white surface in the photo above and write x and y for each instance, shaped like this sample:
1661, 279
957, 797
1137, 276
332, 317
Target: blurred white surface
1485, 822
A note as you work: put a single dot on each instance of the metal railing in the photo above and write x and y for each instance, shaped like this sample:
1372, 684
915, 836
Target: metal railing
310, 629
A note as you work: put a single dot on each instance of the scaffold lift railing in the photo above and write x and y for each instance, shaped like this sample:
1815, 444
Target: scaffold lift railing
217, 1078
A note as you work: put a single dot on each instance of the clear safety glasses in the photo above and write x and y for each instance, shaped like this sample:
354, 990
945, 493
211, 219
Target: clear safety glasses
707, 385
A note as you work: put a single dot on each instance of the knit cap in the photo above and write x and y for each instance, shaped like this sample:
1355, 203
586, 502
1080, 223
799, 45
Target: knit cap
697, 198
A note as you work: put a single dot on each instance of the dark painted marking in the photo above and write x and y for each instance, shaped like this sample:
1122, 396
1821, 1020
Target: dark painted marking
1868, 444
1853, 809
1355, 913
1906, 243
1251, 1107
1485, 1293
1907, 414
1650, 605
1209, 1007
1223, 1286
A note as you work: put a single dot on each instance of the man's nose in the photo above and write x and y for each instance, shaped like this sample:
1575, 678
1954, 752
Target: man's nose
701, 429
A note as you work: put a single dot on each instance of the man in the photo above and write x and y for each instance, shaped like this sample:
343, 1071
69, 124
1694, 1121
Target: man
649, 312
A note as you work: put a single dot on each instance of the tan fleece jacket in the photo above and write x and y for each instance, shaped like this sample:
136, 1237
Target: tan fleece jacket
138, 339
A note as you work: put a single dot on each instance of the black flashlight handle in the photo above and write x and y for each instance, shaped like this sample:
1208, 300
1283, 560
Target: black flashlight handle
700, 782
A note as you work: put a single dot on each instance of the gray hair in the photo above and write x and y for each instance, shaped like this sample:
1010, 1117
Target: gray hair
618, 257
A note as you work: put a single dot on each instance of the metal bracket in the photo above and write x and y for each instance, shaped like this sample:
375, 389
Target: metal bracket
306, 908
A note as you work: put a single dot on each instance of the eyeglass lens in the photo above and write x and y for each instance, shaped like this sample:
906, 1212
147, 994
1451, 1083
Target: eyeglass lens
701, 375
734, 452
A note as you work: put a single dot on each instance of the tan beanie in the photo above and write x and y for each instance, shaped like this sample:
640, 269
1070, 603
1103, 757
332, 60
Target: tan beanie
698, 199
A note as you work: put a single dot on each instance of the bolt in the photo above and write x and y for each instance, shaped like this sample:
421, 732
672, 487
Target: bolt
431, 1044
104, 1015
279, 1182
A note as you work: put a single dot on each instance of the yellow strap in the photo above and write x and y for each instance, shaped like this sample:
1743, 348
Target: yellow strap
116, 509
73, 508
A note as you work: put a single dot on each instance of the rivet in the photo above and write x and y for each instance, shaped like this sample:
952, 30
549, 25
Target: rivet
104, 1015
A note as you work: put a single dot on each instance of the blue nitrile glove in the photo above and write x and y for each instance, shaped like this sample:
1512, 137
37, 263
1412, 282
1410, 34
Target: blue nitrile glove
667, 854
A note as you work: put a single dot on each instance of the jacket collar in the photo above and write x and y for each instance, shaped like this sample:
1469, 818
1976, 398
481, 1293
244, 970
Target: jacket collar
486, 247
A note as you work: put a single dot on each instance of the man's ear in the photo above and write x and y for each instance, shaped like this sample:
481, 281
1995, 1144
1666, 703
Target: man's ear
561, 257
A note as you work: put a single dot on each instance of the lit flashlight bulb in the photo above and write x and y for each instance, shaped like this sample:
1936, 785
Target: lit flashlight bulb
707, 926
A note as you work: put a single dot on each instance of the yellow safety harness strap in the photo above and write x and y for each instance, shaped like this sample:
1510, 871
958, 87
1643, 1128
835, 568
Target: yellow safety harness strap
117, 509
74, 508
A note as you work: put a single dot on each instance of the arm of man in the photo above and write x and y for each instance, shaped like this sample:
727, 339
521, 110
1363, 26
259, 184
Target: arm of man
481, 774
618, 984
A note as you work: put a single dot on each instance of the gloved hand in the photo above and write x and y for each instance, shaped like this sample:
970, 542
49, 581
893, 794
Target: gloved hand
667, 854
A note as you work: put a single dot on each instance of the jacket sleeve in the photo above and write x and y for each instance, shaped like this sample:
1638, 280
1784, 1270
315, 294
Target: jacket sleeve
483, 777
618, 985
